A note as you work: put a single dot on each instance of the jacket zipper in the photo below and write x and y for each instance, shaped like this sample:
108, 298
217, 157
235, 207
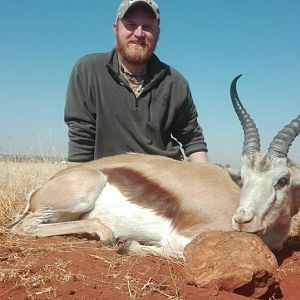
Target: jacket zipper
136, 103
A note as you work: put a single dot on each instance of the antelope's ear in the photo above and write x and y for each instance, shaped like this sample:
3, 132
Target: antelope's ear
295, 176
235, 175
295, 189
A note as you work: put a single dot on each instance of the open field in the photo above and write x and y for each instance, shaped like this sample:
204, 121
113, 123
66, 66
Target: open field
78, 268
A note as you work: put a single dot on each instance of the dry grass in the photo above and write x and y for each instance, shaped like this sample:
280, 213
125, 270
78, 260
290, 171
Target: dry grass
17, 181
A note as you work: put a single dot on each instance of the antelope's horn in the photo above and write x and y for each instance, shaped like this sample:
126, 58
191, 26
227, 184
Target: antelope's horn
251, 135
283, 140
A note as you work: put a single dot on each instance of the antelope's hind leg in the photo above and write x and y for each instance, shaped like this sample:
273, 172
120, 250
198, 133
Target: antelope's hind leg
56, 208
92, 227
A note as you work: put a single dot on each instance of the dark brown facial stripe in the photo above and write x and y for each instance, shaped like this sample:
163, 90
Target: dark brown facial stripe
265, 164
144, 192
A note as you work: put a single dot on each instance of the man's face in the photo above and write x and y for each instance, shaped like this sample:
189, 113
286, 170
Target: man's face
137, 34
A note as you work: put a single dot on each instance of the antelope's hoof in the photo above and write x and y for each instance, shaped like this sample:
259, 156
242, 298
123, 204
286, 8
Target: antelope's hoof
129, 247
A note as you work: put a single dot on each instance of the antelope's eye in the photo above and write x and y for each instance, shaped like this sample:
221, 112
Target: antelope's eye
283, 181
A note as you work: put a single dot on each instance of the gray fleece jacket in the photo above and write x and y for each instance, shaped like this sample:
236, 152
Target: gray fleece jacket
106, 118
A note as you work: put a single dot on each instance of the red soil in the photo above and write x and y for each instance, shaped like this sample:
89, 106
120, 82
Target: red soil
71, 268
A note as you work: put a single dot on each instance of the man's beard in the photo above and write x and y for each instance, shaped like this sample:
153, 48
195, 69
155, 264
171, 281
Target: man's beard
134, 54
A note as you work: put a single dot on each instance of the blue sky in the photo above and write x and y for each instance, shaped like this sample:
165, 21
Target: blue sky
209, 42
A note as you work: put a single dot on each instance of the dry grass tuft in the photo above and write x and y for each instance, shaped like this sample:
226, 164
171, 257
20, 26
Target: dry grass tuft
17, 181
10, 203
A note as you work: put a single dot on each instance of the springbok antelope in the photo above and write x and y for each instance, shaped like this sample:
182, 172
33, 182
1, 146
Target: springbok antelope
158, 205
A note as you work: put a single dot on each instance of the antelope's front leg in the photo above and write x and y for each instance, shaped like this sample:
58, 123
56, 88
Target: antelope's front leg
132, 247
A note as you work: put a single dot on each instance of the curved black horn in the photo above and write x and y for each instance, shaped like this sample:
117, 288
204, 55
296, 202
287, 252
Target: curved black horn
251, 135
283, 140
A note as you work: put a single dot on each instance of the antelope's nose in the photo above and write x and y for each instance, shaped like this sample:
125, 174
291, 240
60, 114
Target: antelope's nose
243, 216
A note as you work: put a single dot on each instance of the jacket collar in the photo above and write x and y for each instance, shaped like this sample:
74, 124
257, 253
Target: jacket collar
157, 69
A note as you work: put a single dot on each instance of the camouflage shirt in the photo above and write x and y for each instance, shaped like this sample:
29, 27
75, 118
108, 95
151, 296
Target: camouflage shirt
136, 82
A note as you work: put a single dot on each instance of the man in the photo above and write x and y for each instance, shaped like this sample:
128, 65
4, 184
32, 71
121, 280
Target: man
127, 100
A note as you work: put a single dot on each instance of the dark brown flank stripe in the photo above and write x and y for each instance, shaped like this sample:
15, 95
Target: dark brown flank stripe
143, 191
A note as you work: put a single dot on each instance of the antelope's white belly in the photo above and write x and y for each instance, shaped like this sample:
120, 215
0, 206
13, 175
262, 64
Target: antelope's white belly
128, 220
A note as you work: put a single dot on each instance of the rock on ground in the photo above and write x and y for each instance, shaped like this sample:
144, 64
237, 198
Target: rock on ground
236, 262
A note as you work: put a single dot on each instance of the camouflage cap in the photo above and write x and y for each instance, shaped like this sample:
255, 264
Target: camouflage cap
127, 4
